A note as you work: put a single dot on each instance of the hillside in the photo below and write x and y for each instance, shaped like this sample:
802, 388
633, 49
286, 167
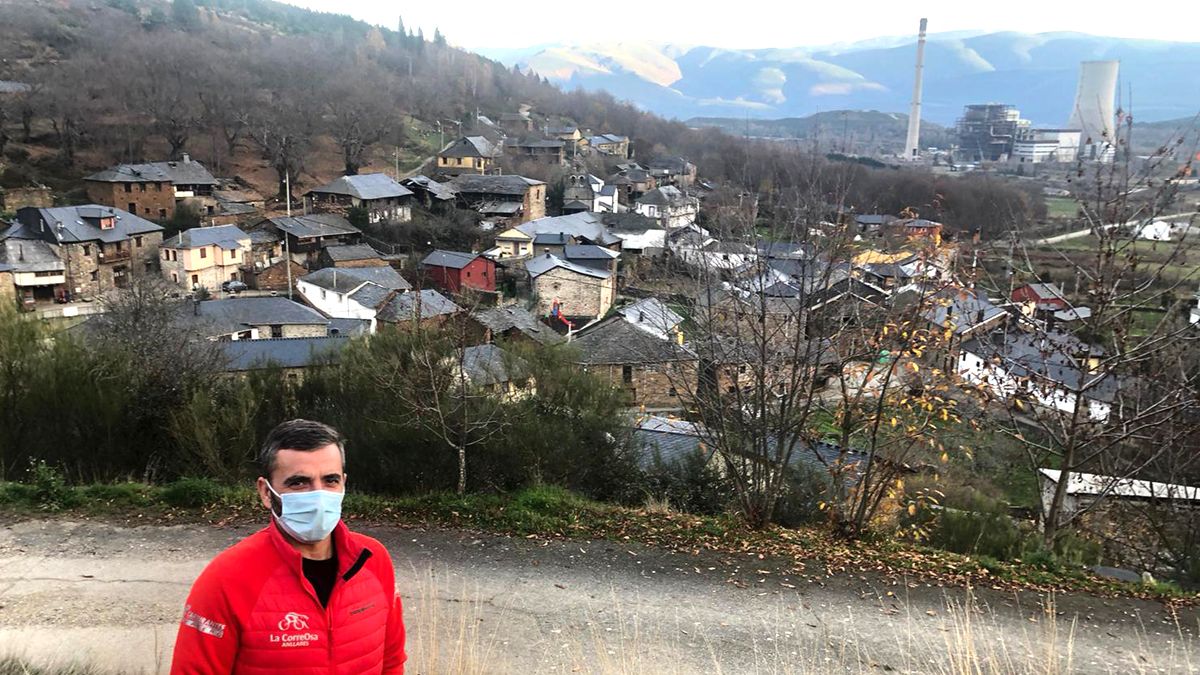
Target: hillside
1035, 72
845, 131
253, 88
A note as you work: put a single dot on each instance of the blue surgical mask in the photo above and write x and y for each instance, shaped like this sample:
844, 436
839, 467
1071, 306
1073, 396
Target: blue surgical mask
308, 516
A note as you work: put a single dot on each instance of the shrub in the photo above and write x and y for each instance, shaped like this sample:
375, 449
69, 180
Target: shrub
50, 489
17, 493
192, 493
119, 494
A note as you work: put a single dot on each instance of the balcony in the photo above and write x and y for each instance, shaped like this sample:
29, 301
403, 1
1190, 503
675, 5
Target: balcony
113, 256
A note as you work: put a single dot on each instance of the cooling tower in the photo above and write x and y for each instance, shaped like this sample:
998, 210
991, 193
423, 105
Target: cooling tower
912, 141
1093, 113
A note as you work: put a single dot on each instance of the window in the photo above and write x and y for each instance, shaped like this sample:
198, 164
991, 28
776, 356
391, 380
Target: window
175, 256
132, 208
166, 254
672, 393
209, 209
276, 330
174, 277
141, 187
137, 241
627, 374
195, 280
87, 250
233, 276
95, 275
129, 187
204, 252
162, 213
158, 187
147, 210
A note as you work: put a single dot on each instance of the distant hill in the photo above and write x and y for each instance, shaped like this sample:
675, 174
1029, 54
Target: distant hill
1035, 72
846, 131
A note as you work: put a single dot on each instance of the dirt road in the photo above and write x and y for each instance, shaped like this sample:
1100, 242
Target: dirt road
111, 596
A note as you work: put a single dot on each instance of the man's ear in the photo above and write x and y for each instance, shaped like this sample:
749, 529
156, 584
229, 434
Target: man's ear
264, 495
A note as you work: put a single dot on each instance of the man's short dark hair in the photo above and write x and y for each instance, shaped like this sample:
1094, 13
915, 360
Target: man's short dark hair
302, 435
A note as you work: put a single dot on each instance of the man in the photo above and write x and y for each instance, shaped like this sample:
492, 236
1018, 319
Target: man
304, 594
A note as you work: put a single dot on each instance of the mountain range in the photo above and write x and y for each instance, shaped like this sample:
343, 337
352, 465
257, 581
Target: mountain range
1035, 72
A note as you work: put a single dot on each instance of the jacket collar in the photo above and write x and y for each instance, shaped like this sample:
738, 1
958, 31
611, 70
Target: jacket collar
348, 549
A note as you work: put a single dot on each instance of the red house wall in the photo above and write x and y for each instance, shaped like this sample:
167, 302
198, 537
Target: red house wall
1025, 293
480, 274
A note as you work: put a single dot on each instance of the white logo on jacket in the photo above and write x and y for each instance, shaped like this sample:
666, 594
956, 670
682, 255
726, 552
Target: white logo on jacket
294, 621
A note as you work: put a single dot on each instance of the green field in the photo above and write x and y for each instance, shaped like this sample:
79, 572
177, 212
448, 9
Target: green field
1061, 207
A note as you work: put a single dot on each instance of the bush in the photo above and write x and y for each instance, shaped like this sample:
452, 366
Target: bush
192, 493
50, 489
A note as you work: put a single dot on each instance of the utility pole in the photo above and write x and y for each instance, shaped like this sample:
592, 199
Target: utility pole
287, 255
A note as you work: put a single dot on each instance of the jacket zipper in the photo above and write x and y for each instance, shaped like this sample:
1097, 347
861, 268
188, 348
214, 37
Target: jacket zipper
333, 593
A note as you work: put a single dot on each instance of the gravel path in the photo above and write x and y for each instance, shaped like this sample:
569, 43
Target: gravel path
111, 596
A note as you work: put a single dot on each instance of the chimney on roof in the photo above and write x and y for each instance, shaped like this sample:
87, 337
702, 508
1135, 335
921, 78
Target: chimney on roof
21, 252
187, 159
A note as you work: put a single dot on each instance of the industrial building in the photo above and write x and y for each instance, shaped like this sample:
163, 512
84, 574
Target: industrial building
988, 131
1034, 146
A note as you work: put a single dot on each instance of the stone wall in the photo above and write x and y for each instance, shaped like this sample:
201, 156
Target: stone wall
535, 203
577, 294
295, 330
12, 199
8, 291
149, 202
88, 277
274, 278
660, 385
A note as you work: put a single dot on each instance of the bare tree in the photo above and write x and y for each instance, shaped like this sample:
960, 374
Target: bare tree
358, 118
1110, 392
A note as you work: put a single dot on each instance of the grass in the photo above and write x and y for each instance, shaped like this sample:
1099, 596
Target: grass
550, 512
1061, 207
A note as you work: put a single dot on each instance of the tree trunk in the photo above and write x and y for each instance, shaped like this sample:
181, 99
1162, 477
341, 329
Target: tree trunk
462, 470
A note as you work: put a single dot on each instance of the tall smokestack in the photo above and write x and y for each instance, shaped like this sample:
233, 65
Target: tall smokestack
912, 143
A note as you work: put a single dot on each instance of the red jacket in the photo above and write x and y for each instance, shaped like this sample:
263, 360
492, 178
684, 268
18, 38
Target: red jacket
252, 612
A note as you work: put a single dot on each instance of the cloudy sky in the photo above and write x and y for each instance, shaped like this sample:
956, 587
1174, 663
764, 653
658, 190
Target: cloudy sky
479, 24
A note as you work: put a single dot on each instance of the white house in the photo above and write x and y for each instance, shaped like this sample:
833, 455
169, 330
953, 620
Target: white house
1047, 370
350, 292
1158, 230
1085, 488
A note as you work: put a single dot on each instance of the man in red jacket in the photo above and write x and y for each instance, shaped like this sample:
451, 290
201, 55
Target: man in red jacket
304, 594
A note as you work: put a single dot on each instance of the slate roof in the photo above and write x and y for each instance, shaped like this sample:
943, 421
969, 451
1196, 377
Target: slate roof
539, 265
488, 364
346, 279
349, 327
653, 312
469, 146
451, 259
616, 341
347, 252
498, 185
371, 295
585, 225
262, 236
964, 307
225, 236
537, 143
13, 87
504, 319
314, 225
220, 317
1047, 291
551, 239
80, 224
661, 441
29, 255
364, 186
605, 139
178, 172
589, 252
1053, 356
667, 195
442, 191
243, 355
402, 306
675, 165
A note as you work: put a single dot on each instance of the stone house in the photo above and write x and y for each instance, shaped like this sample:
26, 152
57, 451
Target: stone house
427, 307
383, 199
154, 190
349, 255
514, 324
205, 257
570, 291
539, 150
654, 371
510, 199
673, 171
632, 181
531, 238
469, 154
585, 192
669, 206
100, 246
489, 369
430, 194
30, 272
305, 236
610, 144
252, 319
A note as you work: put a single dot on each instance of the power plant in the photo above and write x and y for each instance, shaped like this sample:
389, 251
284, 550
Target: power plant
912, 149
1093, 113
